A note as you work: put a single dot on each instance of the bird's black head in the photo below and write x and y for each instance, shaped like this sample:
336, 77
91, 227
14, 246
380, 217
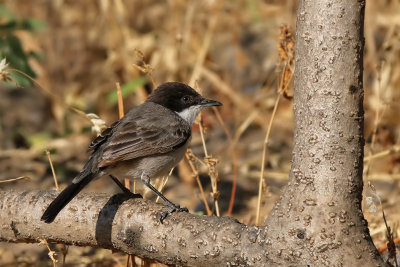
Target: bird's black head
179, 96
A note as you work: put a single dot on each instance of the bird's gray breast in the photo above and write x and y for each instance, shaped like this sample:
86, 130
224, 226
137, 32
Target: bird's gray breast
152, 166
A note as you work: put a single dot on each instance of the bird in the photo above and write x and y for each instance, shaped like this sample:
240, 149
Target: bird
146, 143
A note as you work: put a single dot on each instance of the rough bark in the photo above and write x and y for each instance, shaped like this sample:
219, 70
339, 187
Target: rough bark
132, 226
318, 220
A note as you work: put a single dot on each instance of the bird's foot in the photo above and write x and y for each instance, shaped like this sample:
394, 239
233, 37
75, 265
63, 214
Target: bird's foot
171, 209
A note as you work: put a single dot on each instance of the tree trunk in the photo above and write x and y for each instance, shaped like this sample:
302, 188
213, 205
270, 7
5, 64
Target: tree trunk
318, 220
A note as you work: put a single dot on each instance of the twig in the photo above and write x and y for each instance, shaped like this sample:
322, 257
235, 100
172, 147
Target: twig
147, 69
202, 137
64, 247
383, 177
264, 155
120, 101
224, 88
238, 100
129, 261
385, 247
50, 94
378, 117
52, 170
203, 51
234, 182
222, 123
234, 161
93, 118
51, 253
243, 126
191, 159
121, 115
390, 151
390, 245
211, 163
286, 56
14, 179
164, 181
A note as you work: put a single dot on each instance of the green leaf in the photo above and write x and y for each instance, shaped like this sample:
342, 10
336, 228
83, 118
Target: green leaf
36, 24
11, 49
21, 80
39, 140
254, 8
6, 14
36, 55
126, 89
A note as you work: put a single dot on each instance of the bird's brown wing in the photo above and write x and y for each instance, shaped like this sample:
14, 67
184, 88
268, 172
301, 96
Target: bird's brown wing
139, 135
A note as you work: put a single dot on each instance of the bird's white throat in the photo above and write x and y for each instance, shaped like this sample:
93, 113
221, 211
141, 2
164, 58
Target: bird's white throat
189, 114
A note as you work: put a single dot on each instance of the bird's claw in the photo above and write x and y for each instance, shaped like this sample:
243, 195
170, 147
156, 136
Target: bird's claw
171, 209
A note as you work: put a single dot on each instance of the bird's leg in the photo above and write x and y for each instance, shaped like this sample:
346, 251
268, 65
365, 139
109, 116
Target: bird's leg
123, 188
171, 206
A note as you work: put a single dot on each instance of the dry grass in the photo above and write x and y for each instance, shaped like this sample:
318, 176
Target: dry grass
229, 50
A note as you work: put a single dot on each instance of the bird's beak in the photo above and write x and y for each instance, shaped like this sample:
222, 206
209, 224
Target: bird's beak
208, 103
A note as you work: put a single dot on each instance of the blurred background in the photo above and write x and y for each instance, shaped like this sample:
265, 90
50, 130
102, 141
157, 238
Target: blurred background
231, 51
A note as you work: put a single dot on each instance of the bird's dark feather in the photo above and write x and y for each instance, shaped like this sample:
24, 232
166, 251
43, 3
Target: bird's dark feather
135, 136
99, 140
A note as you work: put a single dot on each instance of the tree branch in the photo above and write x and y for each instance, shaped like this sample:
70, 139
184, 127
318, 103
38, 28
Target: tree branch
131, 226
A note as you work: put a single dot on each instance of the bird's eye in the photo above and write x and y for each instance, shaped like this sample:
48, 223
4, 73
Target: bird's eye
186, 99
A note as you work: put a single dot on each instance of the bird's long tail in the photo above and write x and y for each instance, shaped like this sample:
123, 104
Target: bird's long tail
65, 197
